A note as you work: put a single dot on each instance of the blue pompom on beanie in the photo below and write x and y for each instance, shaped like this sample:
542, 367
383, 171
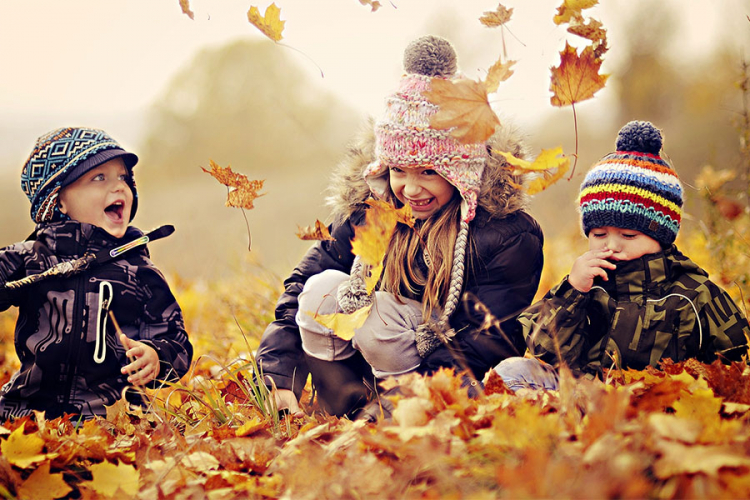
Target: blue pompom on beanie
59, 158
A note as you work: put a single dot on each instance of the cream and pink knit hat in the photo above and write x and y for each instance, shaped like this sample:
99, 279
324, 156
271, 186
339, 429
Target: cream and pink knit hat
403, 136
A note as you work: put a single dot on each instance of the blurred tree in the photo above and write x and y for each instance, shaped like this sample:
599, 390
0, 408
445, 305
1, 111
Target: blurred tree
250, 106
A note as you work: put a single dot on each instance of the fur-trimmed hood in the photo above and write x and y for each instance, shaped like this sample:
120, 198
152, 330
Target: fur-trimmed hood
499, 196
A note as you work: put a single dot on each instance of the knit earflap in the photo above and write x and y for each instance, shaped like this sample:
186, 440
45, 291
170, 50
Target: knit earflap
634, 188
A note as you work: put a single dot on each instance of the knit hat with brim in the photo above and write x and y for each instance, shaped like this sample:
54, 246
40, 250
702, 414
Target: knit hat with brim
404, 138
634, 188
61, 157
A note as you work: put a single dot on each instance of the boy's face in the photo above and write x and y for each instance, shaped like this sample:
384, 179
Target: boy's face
100, 197
626, 244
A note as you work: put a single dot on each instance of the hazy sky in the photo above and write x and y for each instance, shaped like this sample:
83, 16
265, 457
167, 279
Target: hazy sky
80, 61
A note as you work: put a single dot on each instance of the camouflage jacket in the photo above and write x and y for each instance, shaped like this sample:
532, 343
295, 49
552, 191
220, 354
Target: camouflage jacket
659, 306
69, 351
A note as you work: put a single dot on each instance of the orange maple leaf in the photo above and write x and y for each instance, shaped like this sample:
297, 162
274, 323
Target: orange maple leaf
42, 485
577, 78
374, 4
498, 17
185, 6
372, 238
498, 72
242, 191
317, 232
463, 108
270, 24
571, 9
550, 164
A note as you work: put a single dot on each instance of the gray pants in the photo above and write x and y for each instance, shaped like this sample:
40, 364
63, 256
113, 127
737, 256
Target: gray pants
386, 339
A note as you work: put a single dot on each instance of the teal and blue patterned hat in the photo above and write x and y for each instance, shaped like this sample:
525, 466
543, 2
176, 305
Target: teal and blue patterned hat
62, 156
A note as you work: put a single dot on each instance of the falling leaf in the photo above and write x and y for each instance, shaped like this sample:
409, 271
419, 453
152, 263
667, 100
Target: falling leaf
550, 163
108, 478
500, 16
343, 325
317, 232
571, 9
591, 30
499, 72
41, 485
463, 108
374, 4
371, 239
577, 78
24, 450
244, 190
185, 6
270, 24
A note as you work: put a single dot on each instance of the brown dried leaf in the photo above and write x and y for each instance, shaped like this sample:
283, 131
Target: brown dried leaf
270, 24
577, 78
464, 109
317, 232
550, 163
245, 190
498, 72
41, 485
571, 9
497, 18
591, 30
185, 6
374, 4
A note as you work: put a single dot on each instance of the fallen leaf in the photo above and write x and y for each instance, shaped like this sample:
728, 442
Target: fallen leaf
24, 450
374, 4
108, 479
498, 72
200, 461
577, 78
253, 425
500, 16
41, 485
550, 163
678, 458
571, 9
463, 108
242, 190
270, 24
317, 232
343, 325
185, 6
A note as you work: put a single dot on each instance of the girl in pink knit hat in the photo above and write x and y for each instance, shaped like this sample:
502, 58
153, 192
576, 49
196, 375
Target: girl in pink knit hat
472, 242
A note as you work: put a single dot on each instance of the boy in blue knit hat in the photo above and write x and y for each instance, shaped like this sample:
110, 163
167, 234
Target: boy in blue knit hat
633, 299
83, 197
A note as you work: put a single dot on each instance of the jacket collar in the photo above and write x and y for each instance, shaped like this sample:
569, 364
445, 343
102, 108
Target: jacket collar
73, 238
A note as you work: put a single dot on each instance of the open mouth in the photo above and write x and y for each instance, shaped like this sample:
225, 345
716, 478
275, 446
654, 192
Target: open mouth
115, 210
420, 203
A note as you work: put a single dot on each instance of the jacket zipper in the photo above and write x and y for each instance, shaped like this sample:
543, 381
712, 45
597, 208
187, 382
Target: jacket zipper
105, 302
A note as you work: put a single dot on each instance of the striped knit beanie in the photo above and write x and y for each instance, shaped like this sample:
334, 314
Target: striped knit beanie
59, 158
403, 137
634, 188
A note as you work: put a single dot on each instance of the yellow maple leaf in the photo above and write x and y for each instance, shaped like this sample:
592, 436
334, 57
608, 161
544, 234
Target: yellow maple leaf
343, 325
498, 72
550, 163
371, 239
571, 9
317, 232
108, 478
242, 190
41, 485
270, 24
498, 17
463, 108
185, 6
24, 450
253, 425
577, 78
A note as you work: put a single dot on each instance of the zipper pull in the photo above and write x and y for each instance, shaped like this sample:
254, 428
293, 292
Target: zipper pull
105, 301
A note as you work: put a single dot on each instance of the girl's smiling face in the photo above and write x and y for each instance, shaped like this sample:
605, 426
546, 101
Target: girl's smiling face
101, 197
423, 189
626, 244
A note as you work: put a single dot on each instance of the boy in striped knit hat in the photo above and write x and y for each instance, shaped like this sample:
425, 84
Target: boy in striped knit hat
633, 299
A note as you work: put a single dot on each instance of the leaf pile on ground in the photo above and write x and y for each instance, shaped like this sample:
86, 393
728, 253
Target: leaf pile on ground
676, 433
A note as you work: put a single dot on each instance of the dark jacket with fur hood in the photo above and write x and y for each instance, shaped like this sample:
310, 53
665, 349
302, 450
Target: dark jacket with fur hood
62, 321
503, 274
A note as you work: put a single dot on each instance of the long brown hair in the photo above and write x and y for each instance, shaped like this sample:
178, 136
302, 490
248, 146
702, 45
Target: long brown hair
437, 236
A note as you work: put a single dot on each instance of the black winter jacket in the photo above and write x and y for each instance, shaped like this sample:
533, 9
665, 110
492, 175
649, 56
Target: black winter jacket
61, 321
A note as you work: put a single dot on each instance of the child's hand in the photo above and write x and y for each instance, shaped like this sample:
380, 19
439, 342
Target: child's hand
144, 361
286, 400
587, 267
